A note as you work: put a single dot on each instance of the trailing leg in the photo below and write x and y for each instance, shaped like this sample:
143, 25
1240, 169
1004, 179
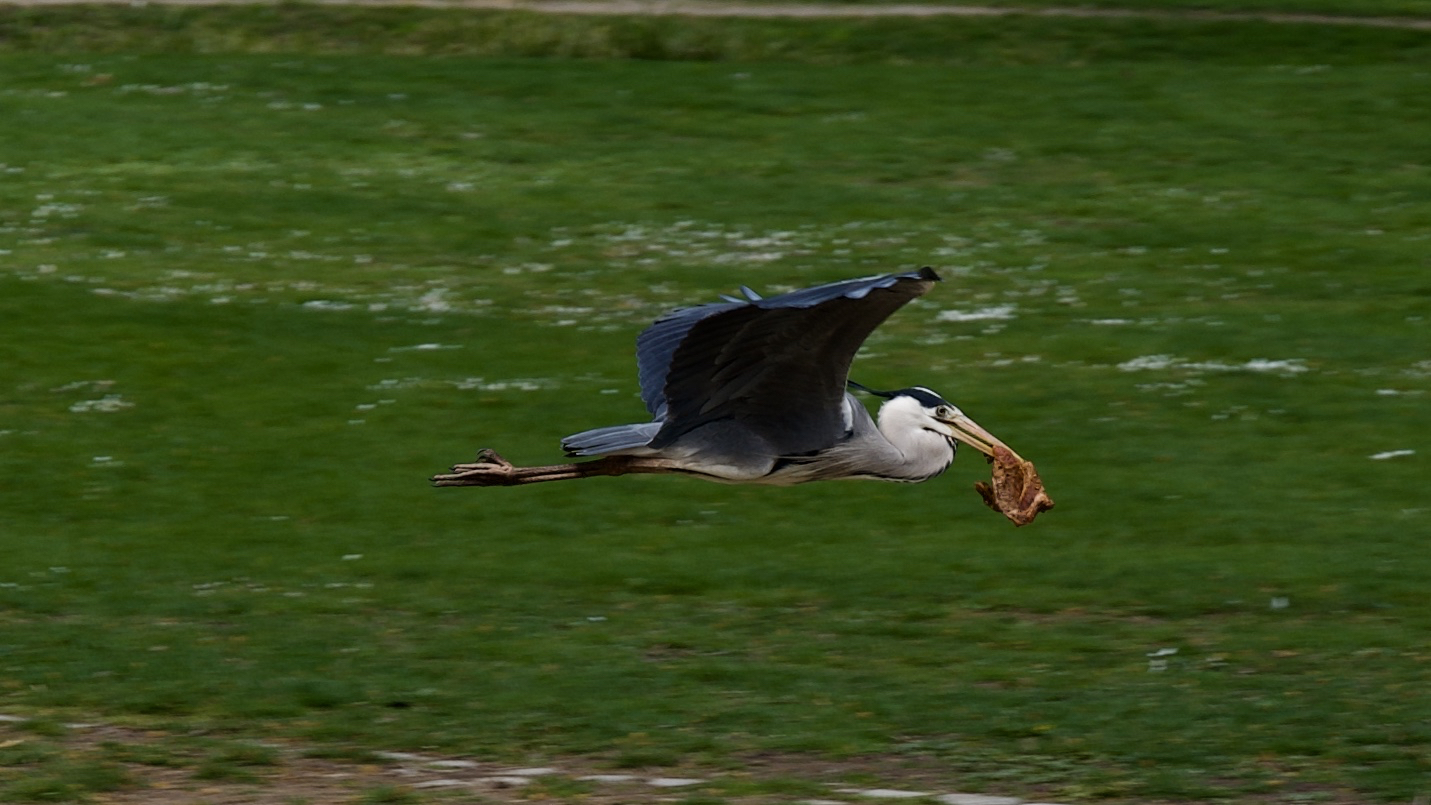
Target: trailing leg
490, 469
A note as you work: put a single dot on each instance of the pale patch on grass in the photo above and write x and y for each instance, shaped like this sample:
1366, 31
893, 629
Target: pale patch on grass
1146, 363
1388, 454
467, 384
995, 313
107, 404
575, 300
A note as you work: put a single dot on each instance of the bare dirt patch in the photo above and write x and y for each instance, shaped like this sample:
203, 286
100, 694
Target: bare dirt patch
163, 768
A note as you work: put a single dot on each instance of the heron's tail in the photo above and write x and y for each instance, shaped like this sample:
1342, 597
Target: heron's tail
615, 439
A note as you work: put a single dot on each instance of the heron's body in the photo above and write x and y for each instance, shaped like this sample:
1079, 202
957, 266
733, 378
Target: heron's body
753, 390
725, 451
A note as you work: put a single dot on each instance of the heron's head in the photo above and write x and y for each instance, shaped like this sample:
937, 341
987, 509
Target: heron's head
920, 408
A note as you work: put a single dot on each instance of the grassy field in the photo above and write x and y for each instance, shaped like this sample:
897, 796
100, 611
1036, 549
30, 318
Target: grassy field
263, 272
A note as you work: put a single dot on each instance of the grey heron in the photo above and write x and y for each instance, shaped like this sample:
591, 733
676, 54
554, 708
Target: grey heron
756, 390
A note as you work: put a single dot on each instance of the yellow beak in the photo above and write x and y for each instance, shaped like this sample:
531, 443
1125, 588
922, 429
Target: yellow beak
971, 433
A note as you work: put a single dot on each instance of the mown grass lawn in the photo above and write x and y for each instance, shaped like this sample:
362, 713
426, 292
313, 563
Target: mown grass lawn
250, 300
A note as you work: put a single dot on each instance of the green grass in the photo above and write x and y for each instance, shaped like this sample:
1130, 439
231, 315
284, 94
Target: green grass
37, 768
249, 301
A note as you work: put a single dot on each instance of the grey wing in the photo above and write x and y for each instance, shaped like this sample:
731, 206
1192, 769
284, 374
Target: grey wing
656, 349
774, 367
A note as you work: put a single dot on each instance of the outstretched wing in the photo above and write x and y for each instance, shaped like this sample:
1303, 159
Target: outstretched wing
775, 366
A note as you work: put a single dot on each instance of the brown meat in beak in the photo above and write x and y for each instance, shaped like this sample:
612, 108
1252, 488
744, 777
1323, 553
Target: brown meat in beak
1017, 492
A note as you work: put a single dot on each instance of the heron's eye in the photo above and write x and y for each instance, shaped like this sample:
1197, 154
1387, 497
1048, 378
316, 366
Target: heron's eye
944, 412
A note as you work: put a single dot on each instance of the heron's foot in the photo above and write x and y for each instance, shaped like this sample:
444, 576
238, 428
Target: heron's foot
486, 459
490, 469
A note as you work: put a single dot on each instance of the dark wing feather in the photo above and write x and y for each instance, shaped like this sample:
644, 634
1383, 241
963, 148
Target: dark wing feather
777, 366
656, 348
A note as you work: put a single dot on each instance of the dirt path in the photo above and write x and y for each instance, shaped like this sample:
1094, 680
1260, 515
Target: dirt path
708, 8
151, 767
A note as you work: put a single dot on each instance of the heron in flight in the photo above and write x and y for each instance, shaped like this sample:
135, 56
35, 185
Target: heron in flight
754, 390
